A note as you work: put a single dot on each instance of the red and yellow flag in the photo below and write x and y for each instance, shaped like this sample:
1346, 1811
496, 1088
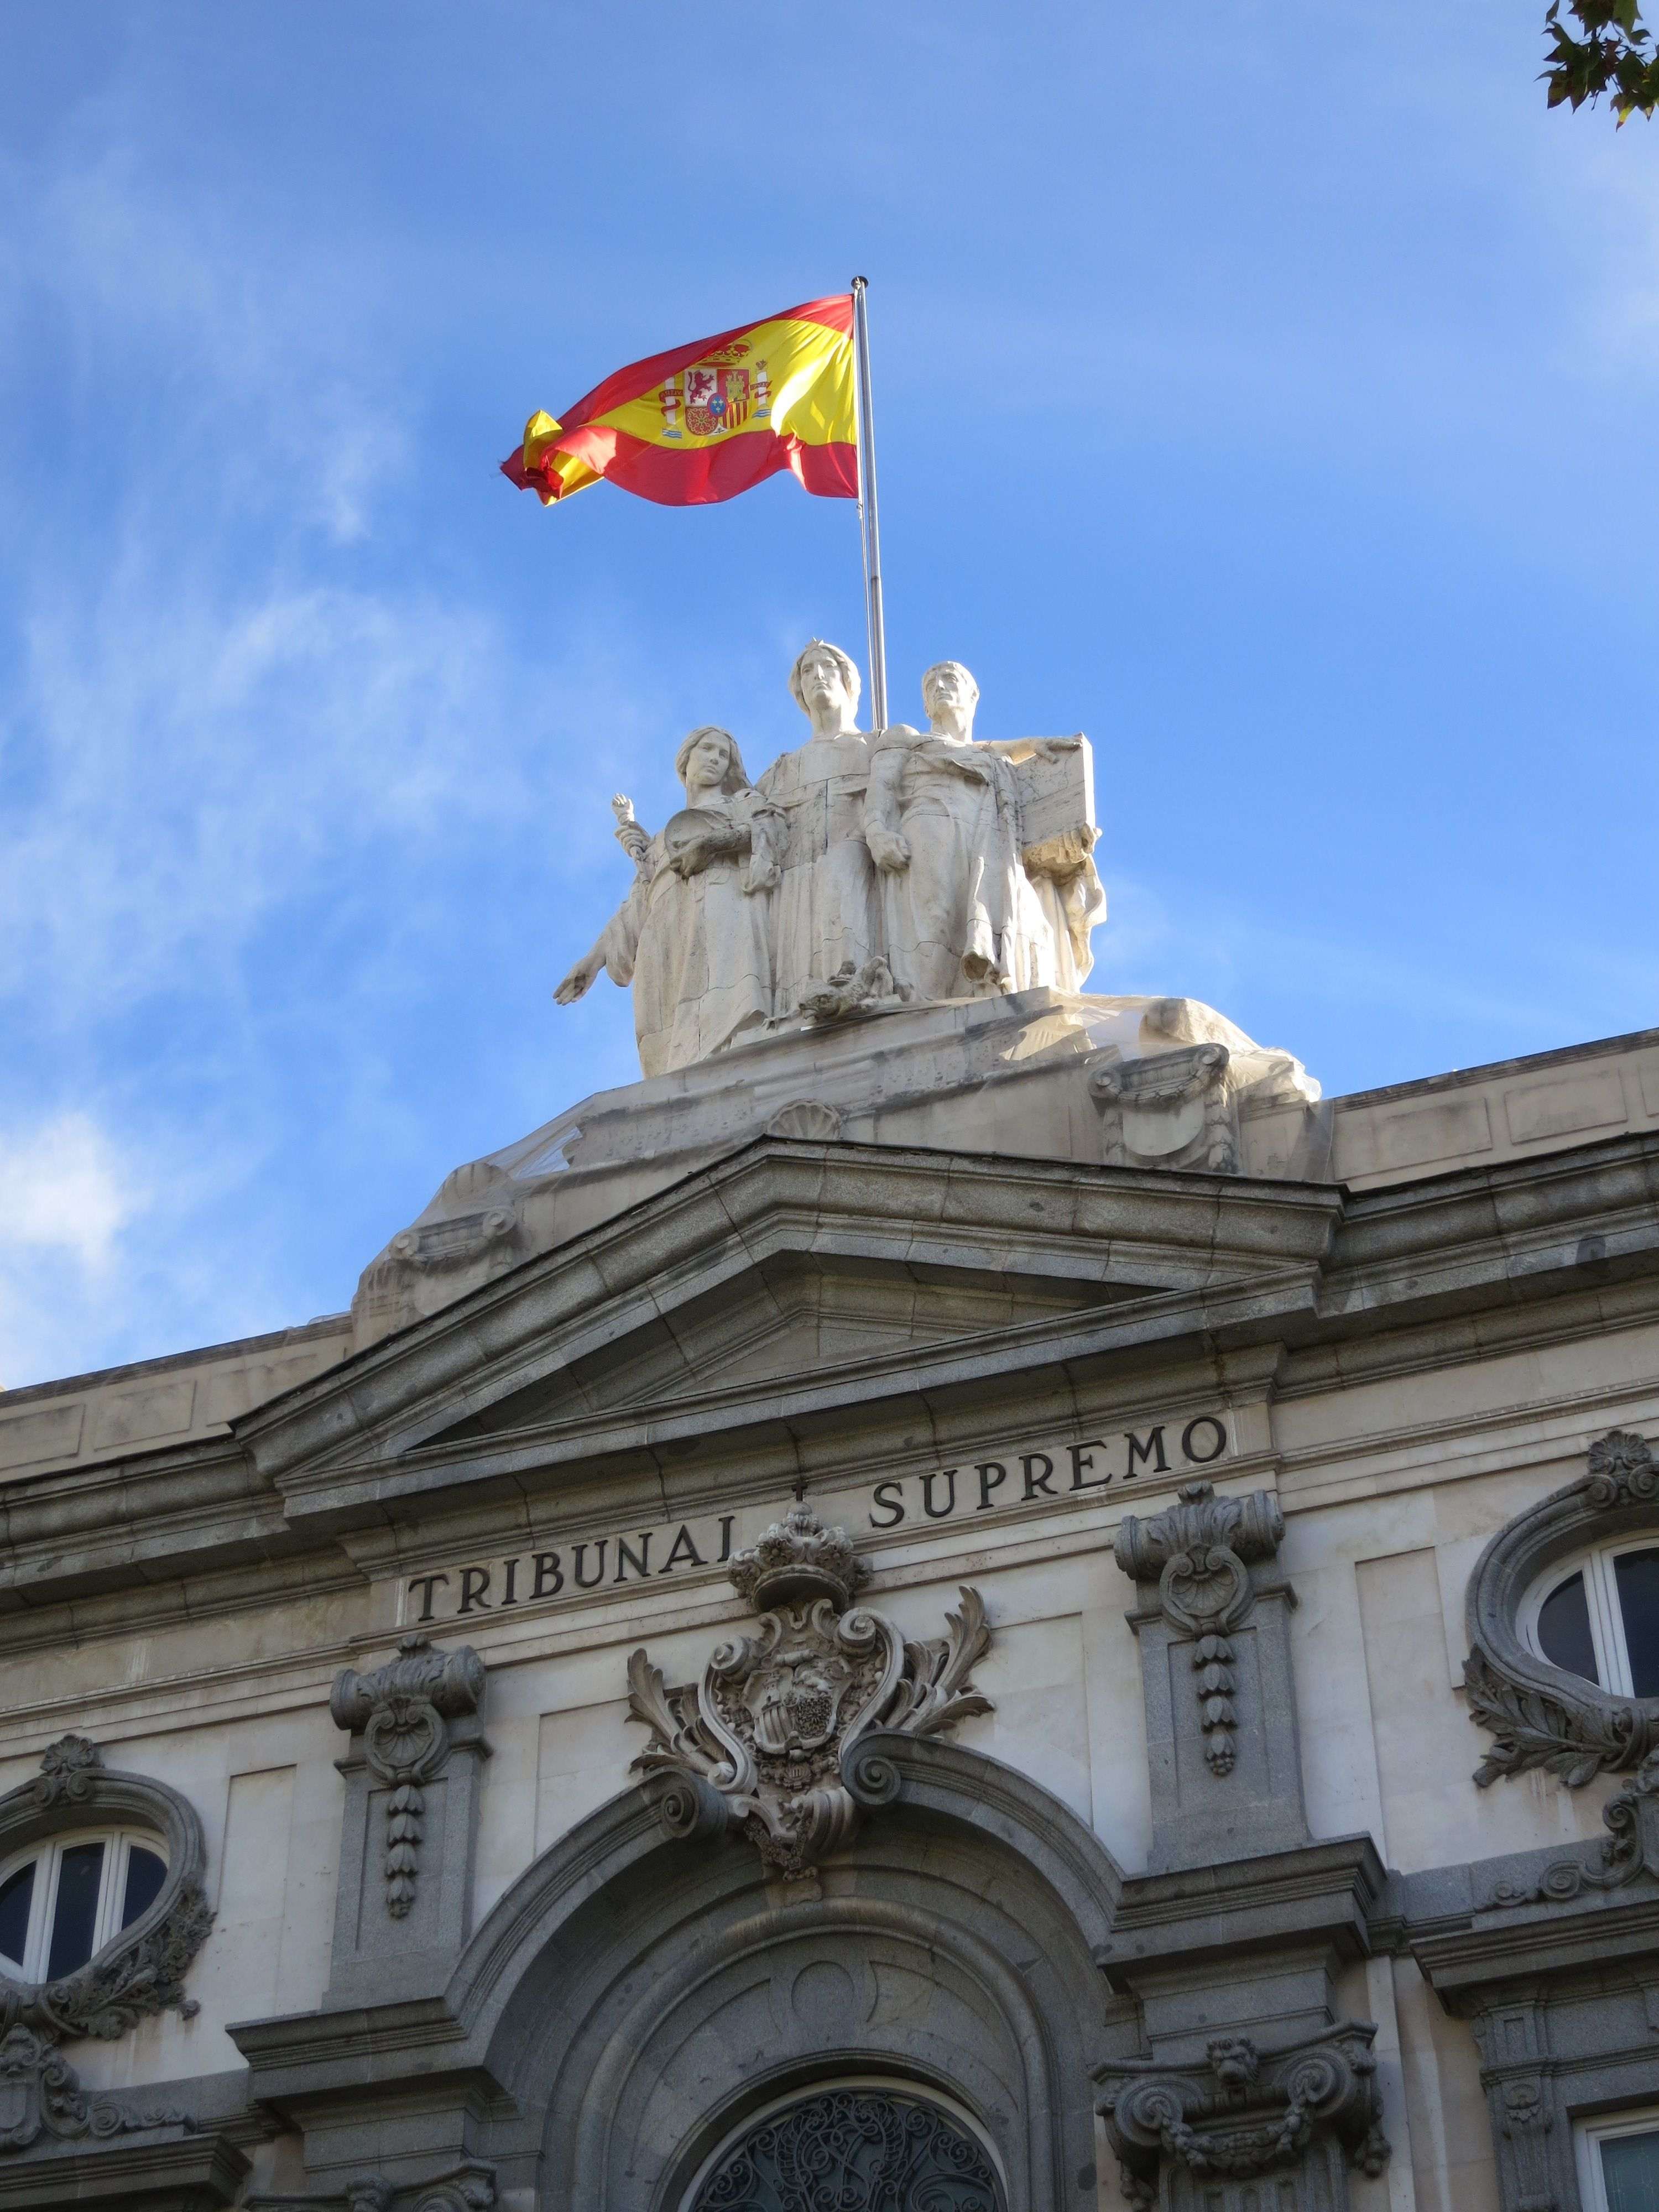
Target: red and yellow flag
705, 420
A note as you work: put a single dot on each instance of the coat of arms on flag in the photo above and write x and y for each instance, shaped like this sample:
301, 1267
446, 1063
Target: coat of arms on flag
715, 399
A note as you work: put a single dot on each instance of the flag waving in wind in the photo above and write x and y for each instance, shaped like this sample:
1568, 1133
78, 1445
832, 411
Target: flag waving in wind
705, 420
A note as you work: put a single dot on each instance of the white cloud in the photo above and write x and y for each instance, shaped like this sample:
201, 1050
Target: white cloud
64, 1187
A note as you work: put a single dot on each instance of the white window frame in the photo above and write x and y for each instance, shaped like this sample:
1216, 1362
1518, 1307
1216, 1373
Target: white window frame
1607, 1623
48, 1858
1588, 2139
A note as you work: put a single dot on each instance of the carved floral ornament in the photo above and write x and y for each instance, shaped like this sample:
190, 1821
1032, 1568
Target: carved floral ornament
403, 1712
768, 1742
139, 1972
1539, 1715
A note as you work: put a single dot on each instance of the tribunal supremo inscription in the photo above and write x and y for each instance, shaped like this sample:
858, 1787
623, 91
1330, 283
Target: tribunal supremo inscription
1050, 1471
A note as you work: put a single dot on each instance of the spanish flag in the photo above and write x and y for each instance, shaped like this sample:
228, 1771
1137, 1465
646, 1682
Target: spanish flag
705, 420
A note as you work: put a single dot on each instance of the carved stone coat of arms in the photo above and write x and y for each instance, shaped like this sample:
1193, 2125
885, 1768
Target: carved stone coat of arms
764, 1742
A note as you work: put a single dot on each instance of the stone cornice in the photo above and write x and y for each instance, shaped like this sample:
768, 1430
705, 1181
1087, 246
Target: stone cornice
1202, 1268
1326, 1890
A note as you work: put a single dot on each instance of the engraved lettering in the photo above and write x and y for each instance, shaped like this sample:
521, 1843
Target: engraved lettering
1083, 1456
992, 1476
509, 1595
628, 1556
475, 1581
1147, 1453
727, 1519
1036, 1482
1204, 1421
892, 1506
938, 1512
587, 1582
549, 1575
692, 1557
425, 1585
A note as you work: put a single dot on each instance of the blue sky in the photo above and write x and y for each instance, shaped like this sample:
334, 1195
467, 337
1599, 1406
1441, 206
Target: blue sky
1267, 392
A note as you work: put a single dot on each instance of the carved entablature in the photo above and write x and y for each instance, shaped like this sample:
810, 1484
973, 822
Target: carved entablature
1201, 1550
141, 1970
1175, 1109
1202, 2136
767, 1743
404, 1711
40, 2094
468, 2187
1539, 1714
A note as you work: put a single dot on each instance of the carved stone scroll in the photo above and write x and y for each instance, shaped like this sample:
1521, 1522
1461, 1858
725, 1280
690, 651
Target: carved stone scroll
1182, 2134
40, 2094
1175, 1109
766, 1741
403, 1711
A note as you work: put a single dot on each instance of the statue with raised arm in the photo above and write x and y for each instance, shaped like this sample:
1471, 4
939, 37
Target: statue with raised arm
693, 934
961, 919
826, 910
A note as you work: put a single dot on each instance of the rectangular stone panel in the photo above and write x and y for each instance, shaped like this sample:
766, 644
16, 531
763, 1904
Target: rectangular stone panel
135, 1416
53, 1432
1562, 1109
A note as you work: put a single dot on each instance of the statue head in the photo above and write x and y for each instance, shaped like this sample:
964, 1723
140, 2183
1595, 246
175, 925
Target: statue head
949, 695
712, 755
826, 686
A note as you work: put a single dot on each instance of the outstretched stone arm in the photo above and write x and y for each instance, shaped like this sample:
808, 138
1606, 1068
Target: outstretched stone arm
613, 950
888, 847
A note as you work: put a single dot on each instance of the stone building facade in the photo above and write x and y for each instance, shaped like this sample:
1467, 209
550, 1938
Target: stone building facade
992, 1606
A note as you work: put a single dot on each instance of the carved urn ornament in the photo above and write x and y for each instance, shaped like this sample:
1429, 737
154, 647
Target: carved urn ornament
1201, 1550
767, 1743
403, 1712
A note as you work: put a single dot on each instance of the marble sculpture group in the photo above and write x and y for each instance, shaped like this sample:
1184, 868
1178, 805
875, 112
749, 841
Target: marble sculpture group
899, 867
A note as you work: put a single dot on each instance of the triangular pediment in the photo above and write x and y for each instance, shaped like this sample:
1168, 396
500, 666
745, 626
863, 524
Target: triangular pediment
789, 1284
795, 1314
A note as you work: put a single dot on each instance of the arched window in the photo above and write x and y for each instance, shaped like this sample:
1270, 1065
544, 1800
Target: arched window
857, 2148
1597, 1616
63, 1901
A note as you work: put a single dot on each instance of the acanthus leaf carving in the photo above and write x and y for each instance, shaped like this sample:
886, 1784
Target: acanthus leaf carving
1201, 1549
403, 1711
767, 1741
1245, 2111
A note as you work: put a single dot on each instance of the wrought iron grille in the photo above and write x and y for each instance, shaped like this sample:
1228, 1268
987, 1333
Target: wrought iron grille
854, 2150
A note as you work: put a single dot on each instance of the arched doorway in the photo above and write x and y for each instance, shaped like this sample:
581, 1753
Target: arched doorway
852, 2148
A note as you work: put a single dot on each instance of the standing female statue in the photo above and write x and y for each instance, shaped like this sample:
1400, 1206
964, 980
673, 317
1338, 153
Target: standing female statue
827, 912
961, 919
692, 936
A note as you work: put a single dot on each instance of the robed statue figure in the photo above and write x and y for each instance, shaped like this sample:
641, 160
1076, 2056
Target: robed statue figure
960, 917
693, 936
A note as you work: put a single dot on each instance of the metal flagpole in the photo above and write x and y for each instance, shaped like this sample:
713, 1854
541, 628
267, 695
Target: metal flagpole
869, 524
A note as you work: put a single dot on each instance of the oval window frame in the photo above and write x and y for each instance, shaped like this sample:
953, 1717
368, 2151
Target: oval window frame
1538, 1714
139, 1970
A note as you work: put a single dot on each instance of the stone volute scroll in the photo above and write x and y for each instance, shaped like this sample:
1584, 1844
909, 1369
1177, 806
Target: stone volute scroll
767, 1743
404, 1713
1539, 1715
1205, 2138
1212, 1624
